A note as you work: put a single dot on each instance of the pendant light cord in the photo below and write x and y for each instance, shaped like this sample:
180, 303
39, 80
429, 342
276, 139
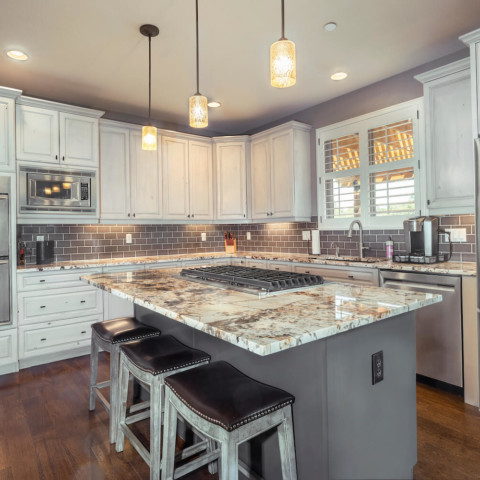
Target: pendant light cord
149, 79
283, 21
196, 23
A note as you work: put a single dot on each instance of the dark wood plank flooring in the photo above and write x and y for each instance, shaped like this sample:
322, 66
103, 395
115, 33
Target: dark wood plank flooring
47, 433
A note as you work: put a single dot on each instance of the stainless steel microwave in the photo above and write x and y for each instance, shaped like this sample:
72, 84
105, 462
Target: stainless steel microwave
62, 191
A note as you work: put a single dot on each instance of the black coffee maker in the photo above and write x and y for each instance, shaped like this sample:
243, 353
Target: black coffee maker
45, 251
421, 239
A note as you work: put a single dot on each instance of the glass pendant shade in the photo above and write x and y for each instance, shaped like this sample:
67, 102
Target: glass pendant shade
283, 68
149, 138
198, 109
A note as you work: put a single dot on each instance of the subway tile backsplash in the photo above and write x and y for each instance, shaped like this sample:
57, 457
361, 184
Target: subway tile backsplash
91, 242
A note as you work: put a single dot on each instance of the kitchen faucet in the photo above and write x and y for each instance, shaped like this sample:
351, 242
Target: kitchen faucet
360, 231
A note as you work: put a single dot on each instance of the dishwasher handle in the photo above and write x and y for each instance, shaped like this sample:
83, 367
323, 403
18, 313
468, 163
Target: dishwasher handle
418, 286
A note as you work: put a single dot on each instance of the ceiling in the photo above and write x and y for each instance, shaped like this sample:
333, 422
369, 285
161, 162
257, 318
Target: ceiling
91, 53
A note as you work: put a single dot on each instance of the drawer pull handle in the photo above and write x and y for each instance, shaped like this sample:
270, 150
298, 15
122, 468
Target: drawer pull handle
351, 276
42, 306
83, 331
41, 281
43, 339
82, 301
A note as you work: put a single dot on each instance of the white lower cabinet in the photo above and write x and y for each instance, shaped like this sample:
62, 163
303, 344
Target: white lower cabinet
8, 351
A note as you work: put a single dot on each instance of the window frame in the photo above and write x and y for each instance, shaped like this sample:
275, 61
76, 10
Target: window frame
412, 109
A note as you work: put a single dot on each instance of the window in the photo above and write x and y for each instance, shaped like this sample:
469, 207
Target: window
368, 169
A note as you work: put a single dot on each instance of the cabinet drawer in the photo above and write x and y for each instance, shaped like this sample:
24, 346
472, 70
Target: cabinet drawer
44, 338
59, 306
49, 280
280, 267
354, 276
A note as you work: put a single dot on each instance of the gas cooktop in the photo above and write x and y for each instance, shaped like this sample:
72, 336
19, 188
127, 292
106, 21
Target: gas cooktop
256, 279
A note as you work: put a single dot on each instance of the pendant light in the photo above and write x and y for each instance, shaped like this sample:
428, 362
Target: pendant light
149, 133
282, 60
197, 104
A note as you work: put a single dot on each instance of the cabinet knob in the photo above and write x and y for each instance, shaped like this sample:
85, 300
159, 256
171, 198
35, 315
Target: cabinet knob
43, 339
244, 215
63, 158
128, 215
42, 306
193, 215
83, 332
56, 157
41, 281
133, 214
82, 301
188, 215
428, 202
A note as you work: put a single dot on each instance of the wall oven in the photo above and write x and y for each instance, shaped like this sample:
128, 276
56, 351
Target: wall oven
63, 191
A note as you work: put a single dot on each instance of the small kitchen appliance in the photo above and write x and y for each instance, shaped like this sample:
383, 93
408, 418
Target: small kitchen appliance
45, 252
421, 241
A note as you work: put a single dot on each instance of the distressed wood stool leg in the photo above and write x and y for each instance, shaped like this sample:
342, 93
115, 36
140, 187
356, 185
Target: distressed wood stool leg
287, 446
122, 406
114, 372
169, 438
229, 458
155, 428
93, 372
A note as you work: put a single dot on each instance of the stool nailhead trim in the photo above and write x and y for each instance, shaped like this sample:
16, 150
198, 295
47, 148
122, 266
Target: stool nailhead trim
177, 367
251, 418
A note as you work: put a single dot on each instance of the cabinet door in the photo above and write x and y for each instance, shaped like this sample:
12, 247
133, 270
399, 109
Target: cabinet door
261, 178
4, 136
231, 183
450, 165
114, 173
281, 161
175, 178
146, 183
37, 134
78, 140
200, 180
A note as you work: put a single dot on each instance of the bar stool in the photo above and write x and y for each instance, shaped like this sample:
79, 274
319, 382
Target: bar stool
227, 406
109, 335
150, 361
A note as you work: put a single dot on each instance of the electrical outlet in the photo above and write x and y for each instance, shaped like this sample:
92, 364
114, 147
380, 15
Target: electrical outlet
457, 234
204, 237
377, 367
128, 238
306, 235
40, 238
249, 236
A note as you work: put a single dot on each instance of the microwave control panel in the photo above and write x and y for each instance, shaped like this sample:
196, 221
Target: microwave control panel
84, 191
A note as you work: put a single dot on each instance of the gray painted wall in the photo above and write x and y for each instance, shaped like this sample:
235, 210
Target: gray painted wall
385, 93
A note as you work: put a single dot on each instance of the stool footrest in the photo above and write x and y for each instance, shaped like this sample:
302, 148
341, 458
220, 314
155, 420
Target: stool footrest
139, 406
193, 450
194, 464
144, 453
103, 400
137, 417
104, 384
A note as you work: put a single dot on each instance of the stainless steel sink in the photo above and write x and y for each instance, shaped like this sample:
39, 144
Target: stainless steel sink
349, 259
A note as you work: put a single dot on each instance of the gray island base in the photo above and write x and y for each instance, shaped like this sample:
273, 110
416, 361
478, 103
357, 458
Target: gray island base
316, 344
345, 427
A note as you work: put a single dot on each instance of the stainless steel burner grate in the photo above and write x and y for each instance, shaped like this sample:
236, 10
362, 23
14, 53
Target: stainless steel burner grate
260, 278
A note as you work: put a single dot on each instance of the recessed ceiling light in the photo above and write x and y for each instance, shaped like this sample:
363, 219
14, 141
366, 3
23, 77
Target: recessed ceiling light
214, 104
17, 55
330, 26
339, 76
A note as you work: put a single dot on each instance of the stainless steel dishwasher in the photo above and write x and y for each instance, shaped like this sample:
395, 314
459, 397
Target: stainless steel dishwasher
438, 327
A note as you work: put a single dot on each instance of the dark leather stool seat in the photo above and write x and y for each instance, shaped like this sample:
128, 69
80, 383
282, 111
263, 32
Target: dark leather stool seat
121, 330
158, 355
223, 395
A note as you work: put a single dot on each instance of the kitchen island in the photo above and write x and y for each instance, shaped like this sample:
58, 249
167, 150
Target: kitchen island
317, 344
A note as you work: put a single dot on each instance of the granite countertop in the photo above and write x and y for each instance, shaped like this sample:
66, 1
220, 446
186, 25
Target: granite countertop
449, 268
260, 325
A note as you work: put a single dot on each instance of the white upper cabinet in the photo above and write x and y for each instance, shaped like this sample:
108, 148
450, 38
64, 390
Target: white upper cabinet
230, 175
114, 172
55, 133
449, 172
146, 181
472, 39
200, 180
280, 173
187, 178
131, 187
7, 128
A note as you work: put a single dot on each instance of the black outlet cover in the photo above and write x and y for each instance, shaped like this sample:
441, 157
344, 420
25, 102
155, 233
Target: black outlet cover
377, 367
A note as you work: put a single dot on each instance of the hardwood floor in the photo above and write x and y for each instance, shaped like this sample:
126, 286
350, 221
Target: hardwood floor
47, 433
